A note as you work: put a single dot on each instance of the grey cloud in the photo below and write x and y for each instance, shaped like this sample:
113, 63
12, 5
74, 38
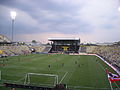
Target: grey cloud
61, 16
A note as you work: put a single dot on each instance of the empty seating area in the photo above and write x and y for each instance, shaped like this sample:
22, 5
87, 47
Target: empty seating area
38, 48
10, 50
47, 49
4, 39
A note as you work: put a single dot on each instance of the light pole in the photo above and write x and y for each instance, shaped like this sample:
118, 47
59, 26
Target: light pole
13, 15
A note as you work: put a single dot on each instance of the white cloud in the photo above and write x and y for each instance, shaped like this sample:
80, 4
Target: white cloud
69, 2
94, 11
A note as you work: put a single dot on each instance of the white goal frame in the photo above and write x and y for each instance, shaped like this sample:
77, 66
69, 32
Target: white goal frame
27, 77
0, 75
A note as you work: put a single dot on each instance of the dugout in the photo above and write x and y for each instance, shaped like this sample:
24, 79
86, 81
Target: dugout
65, 45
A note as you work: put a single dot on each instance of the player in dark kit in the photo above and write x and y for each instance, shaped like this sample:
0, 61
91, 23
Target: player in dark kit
78, 65
75, 62
49, 66
62, 64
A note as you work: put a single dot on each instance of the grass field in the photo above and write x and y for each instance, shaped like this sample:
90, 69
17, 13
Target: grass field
77, 72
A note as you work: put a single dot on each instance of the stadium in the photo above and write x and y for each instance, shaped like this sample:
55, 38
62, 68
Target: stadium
59, 45
48, 68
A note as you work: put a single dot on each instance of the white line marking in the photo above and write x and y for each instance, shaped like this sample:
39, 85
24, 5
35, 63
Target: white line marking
63, 77
117, 85
21, 79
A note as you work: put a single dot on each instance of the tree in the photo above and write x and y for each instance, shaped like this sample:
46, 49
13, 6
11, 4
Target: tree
34, 41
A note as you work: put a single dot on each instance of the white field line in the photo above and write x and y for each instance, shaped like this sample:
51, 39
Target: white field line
89, 88
117, 85
63, 77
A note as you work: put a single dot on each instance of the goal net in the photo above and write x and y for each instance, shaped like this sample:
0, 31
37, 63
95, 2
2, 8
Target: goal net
41, 79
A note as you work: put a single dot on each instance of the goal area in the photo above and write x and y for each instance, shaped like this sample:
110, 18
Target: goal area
41, 79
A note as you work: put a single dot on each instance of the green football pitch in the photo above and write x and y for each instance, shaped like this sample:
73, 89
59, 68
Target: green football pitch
78, 72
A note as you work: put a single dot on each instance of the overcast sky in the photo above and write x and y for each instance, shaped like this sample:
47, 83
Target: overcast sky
90, 20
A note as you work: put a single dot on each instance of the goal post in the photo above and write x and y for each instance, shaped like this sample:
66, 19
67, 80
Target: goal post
29, 75
0, 75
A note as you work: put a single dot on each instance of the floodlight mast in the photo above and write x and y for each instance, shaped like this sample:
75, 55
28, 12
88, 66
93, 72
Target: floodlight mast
13, 16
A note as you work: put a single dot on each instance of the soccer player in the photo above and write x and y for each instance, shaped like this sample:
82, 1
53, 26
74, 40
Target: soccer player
49, 66
75, 62
62, 64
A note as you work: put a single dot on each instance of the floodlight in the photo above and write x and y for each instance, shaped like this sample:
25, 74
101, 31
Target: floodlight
13, 15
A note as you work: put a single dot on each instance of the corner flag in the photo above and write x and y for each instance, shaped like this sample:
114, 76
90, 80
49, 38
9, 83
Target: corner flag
112, 77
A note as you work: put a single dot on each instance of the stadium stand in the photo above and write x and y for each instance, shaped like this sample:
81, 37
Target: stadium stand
64, 45
4, 39
47, 49
38, 48
11, 49
110, 53
82, 49
14, 50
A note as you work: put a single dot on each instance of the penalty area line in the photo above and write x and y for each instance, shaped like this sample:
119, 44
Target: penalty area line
63, 77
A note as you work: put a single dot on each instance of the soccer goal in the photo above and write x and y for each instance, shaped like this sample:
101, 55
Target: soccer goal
42, 79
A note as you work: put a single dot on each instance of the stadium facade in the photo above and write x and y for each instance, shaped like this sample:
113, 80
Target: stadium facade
65, 45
